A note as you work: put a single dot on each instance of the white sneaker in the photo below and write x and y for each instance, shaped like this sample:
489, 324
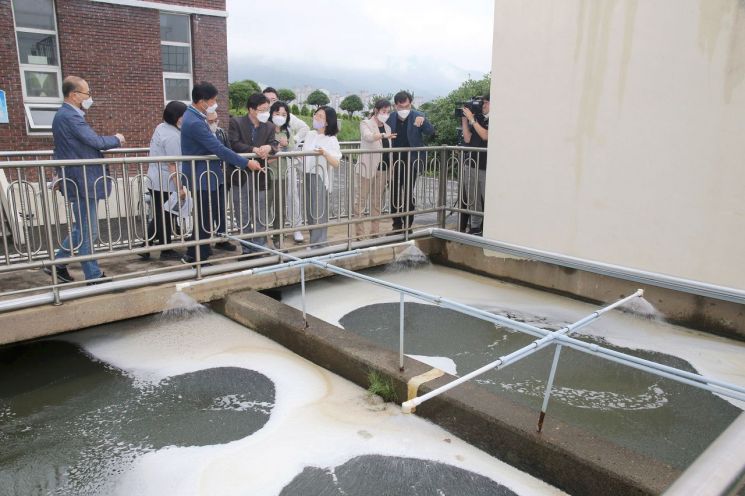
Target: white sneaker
298, 237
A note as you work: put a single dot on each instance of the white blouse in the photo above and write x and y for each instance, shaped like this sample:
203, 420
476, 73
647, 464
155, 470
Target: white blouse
317, 164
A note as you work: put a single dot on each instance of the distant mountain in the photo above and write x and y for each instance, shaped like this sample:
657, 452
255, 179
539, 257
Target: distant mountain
425, 80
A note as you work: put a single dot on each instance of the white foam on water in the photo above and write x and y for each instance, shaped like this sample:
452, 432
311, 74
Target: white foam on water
712, 356
318, 419
443, 363
653, 398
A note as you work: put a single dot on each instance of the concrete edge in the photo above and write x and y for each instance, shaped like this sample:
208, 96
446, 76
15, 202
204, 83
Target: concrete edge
47, 320
722, 318
568, 458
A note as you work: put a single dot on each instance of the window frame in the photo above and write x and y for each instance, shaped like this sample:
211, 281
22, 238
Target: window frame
45, 102
178, 75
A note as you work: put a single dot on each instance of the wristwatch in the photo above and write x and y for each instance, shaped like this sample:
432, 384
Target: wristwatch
472, 122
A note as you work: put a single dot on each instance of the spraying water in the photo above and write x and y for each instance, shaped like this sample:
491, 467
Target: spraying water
410, 258
182, 306
643, 308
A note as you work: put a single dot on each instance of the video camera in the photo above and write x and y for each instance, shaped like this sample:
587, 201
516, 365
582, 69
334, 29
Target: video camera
475, 105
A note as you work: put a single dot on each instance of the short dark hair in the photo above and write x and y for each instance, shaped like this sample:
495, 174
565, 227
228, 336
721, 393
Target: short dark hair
203, 91
275, 107
173, 112
269, 89
381, 104
332, 125
255, 100
402, 96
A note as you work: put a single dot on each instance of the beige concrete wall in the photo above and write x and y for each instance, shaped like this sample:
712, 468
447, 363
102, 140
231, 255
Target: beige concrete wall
618, 133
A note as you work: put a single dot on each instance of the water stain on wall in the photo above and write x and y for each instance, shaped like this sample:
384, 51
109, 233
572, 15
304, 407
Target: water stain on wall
724, 19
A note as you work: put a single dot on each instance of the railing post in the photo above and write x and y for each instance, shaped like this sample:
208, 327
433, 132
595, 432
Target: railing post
549, 386
443, 188
401, 333
48, 229
302, 292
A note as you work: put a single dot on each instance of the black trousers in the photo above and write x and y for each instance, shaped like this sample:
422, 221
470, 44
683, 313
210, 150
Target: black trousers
211, 206
160, 225
403, 181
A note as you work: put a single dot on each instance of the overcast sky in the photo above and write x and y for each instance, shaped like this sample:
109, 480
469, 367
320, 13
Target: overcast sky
428, 46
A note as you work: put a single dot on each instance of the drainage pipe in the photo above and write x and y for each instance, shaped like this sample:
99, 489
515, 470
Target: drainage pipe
616, 271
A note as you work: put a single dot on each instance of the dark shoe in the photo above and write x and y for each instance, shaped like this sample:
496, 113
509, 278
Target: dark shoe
63, 275
225, 245
170, 255
99, 280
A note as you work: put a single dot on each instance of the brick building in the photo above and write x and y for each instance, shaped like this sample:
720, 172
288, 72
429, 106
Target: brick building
136, 55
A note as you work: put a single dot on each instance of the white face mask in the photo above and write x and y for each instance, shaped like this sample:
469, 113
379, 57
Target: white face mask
403, 113
86, 104
263, 116
383, 117
211, 108
213, 127
279, 120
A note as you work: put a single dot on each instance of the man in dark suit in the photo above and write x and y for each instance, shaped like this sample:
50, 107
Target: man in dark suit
410, 126
252, 133
82, 185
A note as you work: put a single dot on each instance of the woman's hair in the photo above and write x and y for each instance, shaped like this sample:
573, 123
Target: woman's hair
332, 126
381, 104
275, 107
173, 112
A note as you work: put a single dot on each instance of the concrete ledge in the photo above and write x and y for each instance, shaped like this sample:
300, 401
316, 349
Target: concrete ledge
47, 320
571, 459
719, 317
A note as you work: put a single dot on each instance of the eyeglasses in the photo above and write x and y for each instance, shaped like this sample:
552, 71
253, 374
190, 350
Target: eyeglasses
83, 93
212, 121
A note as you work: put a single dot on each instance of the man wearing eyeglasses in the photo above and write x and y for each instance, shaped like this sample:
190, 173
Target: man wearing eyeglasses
82, 185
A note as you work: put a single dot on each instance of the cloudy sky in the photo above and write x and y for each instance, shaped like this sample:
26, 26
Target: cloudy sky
428, 46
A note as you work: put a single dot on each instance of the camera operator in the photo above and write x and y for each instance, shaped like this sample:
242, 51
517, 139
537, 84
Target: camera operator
475, 122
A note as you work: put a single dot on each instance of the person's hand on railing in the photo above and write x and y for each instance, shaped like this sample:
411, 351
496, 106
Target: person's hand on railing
263, 151
121, 139
182, 194
254, 165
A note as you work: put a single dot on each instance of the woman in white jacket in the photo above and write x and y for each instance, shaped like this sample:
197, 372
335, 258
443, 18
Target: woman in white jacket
375, 134
322, 141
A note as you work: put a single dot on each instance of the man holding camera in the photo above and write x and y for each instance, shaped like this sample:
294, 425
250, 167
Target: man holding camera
475, 122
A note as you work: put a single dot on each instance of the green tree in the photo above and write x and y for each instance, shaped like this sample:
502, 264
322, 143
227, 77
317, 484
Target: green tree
441, 111
304, 110
351, 104
239, 91
317, 98
295, 110
374, 98
286, 95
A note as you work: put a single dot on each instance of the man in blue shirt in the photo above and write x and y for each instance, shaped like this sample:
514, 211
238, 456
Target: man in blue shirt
409, 126
82, 185
204, 176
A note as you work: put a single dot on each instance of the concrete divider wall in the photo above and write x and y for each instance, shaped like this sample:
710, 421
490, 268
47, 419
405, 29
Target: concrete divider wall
564, 456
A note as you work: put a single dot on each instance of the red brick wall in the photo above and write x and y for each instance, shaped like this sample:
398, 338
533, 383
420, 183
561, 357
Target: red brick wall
117, 50
210, 44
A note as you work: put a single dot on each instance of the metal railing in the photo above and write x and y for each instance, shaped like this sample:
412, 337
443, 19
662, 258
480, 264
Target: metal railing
293, 193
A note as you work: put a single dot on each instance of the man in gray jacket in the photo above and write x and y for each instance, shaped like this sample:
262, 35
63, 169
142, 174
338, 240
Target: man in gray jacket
82, 185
